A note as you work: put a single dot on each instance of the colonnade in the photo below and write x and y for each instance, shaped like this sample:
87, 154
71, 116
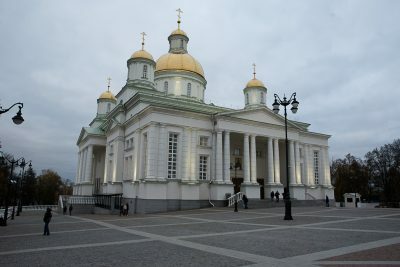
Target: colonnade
301, 165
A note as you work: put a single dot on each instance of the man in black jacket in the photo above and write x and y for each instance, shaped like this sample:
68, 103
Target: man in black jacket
47, 219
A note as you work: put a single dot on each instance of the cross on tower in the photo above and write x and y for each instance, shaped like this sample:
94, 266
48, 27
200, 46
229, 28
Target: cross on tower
254, 70
179, 16
143, 35
108, 82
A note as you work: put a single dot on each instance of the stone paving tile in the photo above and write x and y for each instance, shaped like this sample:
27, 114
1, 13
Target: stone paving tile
282, 243
359, 212
386, 253
366, 224
153, 253
226, 216
297, 220
150, 221
196, 229
57, 239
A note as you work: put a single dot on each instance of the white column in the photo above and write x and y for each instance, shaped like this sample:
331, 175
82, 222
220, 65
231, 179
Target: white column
77, 168
89, 158
194, 159
253, 159
186, 153
219, 157
306, 165
270, 174
297, 160
152, 155
227, 157
213, 155
322, 165
246, 159
292, 173
105, 164
83, 165
119, 145
327, 180
277, 168
162, 153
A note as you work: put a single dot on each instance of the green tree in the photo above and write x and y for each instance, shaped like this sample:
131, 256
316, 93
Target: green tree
349, 175
48, 187
384, 166
28, 187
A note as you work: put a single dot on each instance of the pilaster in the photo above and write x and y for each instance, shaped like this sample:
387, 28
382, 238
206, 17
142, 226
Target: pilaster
253, 159
227, 157
246, 159
219, 157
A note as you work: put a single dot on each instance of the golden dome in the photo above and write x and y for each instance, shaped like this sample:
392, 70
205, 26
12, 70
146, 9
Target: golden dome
185, 62
107, 95
178, 31
142, 54
255, 83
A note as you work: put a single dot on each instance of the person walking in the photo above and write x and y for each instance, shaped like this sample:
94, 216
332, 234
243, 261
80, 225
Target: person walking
327, 201
272, 196
46, 220
65, 210
70, 209
245, 201
124, 210
127, 209
277, 195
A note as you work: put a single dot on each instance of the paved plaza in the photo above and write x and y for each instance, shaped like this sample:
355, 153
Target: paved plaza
207, 237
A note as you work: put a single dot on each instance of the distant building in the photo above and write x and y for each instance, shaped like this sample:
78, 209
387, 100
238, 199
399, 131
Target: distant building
157, 143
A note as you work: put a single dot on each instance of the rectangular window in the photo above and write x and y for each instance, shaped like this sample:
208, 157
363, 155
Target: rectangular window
203, 168
172, 155
262, 98
316, 167
203, 140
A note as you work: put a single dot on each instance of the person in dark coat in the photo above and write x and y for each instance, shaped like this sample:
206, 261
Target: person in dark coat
277, 194
272, 195
65, 210
46, 220
327, 201
245, 201
70, 209
127, 209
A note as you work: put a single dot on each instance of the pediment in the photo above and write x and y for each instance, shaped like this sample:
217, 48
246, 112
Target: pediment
262, 115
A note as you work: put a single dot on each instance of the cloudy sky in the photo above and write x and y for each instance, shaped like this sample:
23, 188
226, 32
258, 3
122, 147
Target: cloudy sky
341, 57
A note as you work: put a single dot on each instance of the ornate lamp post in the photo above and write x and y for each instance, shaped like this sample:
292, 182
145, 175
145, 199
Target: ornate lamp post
285, 102
22, 165
13, 162
17, 119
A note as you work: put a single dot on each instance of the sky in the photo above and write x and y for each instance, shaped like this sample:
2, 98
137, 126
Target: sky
340, 57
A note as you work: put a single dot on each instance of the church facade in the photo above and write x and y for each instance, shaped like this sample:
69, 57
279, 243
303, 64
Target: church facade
159, 145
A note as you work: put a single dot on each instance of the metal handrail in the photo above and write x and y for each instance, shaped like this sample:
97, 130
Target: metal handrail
235, 198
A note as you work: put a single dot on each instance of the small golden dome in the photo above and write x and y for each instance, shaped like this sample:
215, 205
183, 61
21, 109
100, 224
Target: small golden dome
185, 62
178, 31
107, 95
142, 54
254, 83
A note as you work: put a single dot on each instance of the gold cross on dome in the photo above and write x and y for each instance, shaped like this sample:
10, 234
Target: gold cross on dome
143, 35
109, 83
179, 13
179, 17
254, 70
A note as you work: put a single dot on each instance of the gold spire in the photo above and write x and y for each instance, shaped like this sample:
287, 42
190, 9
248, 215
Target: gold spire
108, 84
143, 35
179, 17
254, 70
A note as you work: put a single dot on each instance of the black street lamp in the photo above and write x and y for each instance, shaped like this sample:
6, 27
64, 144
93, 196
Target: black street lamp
17, 119
3, 222
292, 100
22, 165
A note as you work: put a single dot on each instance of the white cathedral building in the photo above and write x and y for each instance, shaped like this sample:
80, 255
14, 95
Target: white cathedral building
162, 148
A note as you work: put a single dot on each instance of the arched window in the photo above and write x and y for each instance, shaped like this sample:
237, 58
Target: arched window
189, 89
144, 72
247, 98
262, 99
181, 43
165, 87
